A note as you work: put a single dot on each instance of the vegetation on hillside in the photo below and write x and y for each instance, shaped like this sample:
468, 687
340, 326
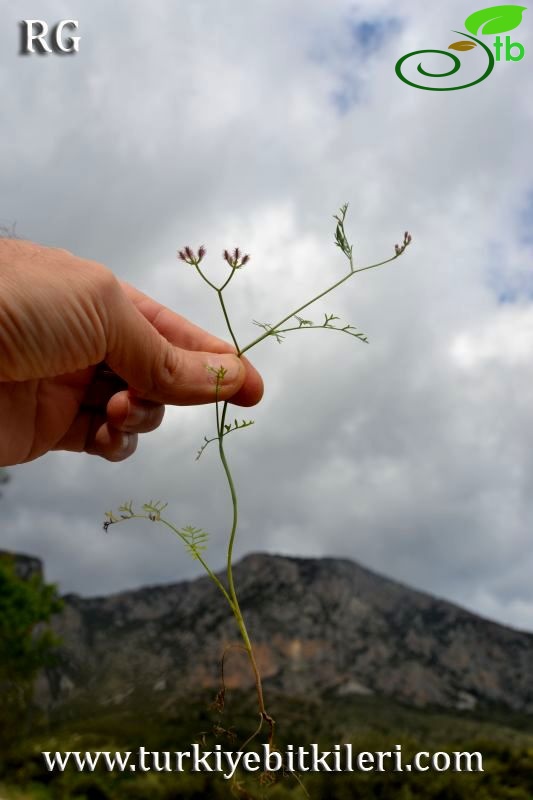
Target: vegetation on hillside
370, 724
26, 646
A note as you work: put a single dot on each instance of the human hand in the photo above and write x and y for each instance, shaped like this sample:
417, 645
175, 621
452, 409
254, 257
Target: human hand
87, 362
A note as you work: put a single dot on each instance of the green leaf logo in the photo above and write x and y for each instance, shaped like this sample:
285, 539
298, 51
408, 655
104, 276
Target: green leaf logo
496, 19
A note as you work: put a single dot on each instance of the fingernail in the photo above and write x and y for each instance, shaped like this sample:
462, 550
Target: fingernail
232, 364
125, 444
135, 417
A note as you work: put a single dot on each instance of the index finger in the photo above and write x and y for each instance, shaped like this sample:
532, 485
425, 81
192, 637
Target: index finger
177, 329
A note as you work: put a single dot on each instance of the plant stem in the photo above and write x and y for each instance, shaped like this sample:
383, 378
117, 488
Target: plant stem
232, 599
229, 571
230, 594
188, 534
219, 292
212, 285
179, 534
233, 500
310, 302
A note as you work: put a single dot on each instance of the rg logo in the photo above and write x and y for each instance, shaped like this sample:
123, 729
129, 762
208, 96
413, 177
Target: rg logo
35, 37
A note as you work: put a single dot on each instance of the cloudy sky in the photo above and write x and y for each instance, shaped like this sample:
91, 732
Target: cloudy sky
226, 122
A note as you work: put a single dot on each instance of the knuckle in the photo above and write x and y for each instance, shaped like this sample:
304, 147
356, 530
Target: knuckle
103, 277
168, 368
103, 296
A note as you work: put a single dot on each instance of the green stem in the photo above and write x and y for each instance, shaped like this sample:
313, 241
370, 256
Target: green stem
309, 302
320, 328
221, 299
232, 592
204, 564
231, 596
230, 329
206, 279
232, 273
233, 500
219, 429
179, 534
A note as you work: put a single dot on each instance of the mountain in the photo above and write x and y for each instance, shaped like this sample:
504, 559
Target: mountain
319, 625
346, 655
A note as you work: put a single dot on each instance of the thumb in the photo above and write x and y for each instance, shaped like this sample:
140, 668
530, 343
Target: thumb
158, 370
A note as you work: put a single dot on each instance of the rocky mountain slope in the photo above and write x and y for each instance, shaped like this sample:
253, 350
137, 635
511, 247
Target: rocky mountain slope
318, 624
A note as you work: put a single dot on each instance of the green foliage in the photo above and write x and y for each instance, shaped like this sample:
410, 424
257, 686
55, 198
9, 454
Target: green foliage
26, 643
340, 236
195, 540
270, 330
24, 604
371, 724
228, 428
308, 324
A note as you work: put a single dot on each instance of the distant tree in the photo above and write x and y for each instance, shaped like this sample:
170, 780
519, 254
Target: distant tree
26, 642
